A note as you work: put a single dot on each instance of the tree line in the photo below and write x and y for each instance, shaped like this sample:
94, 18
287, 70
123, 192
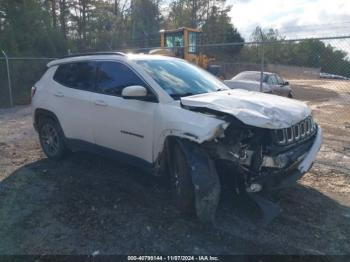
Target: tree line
54, 27
326, 55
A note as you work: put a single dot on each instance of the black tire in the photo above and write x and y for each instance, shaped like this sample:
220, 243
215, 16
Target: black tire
290, 95
51, 139
181, 182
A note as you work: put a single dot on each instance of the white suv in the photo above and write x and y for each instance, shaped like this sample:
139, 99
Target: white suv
169, 115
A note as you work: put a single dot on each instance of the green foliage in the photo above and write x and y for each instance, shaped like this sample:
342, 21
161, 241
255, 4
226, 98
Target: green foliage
304, 53
219, 29
26, 30
145, 20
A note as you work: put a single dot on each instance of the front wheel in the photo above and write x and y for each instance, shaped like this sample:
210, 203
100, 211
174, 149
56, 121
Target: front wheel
181, 182
51, 139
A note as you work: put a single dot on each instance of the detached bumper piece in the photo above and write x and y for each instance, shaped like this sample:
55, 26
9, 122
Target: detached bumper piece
205, 181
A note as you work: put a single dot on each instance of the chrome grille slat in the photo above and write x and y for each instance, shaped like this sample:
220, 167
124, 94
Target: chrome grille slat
290, 134
295, 133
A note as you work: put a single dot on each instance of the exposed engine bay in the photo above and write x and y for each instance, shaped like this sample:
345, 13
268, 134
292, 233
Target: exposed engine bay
259, 152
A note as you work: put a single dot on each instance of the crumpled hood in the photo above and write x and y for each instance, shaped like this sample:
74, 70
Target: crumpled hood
253, 108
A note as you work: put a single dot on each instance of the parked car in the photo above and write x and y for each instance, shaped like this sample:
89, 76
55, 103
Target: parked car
332, 76
171, 117
250, 80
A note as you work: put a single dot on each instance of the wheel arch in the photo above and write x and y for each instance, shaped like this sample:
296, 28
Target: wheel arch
41, 113
203, 174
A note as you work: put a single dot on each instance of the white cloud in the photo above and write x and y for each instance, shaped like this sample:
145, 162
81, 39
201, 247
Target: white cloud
297, 18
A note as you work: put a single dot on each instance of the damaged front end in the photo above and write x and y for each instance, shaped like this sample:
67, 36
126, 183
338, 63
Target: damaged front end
267, 159
262, 143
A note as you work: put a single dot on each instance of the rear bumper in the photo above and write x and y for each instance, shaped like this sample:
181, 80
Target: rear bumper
289, 176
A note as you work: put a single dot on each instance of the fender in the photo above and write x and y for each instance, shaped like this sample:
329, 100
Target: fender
184, 124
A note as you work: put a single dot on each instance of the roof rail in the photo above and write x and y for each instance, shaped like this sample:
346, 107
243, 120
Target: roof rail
94, 53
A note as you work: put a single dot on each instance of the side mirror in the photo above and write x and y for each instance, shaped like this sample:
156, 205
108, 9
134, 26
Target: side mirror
134, 92
286, 83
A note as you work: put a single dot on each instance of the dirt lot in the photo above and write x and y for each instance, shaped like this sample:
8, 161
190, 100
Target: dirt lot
87, 203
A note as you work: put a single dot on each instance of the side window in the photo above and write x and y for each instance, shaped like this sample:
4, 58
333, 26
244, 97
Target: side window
80, 75
279, 80
272, 80
112, 77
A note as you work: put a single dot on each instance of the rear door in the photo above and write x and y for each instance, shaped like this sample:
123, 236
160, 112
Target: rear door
71, 92
124, 125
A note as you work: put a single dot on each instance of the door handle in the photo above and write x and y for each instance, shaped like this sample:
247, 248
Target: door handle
58, 94
100, 103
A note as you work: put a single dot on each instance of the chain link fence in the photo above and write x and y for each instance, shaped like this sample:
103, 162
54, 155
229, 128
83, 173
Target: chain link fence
324, 62
23, 73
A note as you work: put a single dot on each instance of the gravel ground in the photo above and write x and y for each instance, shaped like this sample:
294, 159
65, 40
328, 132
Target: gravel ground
87, 203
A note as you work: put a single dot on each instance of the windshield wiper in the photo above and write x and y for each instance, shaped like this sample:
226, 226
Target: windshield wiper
177, 96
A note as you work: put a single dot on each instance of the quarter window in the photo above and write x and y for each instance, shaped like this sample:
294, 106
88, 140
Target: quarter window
113, 77
80, 75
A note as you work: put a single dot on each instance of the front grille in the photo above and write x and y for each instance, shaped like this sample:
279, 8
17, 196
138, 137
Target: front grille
299, 132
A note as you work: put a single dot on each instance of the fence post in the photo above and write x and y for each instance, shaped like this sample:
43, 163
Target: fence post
8, 77
262, 61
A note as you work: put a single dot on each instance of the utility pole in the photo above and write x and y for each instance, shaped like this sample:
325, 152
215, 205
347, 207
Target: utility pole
8, 77
262, 60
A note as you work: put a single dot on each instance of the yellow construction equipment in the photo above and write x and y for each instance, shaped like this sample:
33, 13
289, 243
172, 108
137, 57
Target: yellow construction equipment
183, 43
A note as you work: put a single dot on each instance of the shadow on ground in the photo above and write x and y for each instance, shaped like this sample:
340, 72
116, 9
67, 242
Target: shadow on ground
87, 203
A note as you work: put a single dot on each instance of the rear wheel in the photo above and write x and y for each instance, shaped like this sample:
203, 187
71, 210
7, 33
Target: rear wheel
290, 95
51, 139
181, 182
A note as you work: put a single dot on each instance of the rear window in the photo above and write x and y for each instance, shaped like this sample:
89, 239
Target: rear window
80, 75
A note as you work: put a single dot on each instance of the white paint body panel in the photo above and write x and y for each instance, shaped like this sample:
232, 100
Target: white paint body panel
253, 108
173, 120
75, 121
124, 125
306, 164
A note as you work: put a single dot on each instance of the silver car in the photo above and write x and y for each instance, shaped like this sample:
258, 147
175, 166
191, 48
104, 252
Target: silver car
250, 80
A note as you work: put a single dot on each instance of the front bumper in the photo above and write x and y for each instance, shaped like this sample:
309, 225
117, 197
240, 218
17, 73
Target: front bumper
307, 162
287, 177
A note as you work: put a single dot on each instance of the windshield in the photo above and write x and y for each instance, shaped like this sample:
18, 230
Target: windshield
179, 78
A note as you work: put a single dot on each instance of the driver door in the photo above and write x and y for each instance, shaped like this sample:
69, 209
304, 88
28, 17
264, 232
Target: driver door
123, 125
272, 82
283, 88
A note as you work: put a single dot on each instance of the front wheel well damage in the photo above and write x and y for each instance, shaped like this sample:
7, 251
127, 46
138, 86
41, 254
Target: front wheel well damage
205, 180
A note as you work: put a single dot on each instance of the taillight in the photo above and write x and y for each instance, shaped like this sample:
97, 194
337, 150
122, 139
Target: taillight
33, 91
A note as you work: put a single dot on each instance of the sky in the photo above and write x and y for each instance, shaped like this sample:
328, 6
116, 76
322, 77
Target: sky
293, 18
